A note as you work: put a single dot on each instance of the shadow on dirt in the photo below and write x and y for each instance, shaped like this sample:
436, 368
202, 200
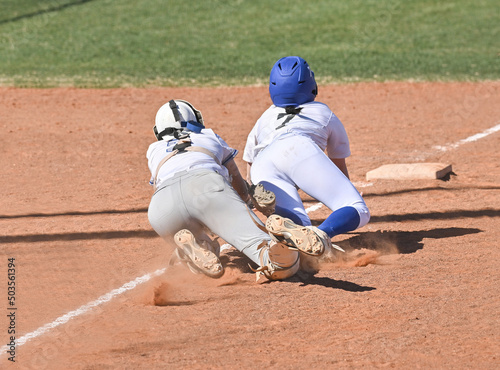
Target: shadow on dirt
405, 241
450, 215
334, 284
176, 303
234, 259
308, 201
436, 215
367, 194
385, 218
44, 11
77, 213
56, 237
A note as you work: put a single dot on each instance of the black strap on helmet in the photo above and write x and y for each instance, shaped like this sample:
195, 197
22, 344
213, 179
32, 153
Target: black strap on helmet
166, 132
175, 110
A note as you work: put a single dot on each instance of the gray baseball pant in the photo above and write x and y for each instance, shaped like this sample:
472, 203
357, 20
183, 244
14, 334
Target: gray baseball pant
192, 199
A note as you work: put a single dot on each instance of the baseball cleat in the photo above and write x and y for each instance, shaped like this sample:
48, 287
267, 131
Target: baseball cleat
263, 200
198, 259
325, 236
307, 239
262, 196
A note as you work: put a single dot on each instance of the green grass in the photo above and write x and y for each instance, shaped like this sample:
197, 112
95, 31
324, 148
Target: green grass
109, 43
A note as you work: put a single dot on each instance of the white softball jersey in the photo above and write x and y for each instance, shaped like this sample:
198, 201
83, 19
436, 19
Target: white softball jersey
315, 121
192, 160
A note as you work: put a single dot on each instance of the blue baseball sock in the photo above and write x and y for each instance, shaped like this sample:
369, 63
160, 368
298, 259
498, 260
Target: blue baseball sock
283, 212
341, 221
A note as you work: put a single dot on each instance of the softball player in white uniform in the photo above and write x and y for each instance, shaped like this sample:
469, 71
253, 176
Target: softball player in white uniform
192, 170
285, 151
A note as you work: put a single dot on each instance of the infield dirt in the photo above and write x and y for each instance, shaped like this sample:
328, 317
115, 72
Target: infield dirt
416, 288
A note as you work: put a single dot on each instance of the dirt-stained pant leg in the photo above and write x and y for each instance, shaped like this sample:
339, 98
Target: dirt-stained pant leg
167, 213
217, 205
205, 197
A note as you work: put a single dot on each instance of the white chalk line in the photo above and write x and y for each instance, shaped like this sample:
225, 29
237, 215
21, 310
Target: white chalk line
142, 279
470, 139
85, 308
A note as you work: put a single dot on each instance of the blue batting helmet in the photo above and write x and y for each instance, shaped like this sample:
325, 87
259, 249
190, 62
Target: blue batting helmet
292, 82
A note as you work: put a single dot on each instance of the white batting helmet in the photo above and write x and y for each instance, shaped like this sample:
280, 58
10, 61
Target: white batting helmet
174, 116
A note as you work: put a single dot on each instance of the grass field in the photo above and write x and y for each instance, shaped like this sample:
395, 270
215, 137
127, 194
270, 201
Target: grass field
105, 43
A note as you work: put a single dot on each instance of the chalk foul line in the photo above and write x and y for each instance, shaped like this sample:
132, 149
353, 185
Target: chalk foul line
470, 139
85, 308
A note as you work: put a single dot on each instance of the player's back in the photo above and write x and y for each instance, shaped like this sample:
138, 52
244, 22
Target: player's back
314, 120
191, 160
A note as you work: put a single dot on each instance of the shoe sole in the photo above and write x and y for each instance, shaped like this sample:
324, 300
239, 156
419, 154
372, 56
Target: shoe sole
198, 259
262, 196
300, 237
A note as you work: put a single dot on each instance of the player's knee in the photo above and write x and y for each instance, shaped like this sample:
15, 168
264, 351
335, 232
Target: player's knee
364, 215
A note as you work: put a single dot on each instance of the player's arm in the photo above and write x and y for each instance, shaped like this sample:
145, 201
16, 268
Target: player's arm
249, 168
237, 180
338, 144
249, 151
341, 164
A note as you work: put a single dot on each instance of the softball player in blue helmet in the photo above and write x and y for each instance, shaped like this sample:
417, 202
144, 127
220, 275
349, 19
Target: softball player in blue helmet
285, 151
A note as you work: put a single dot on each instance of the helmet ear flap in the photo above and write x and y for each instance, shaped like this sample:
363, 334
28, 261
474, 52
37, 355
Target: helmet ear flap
315, 90
196, 112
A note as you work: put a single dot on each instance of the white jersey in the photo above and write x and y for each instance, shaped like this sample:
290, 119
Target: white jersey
315, 121
189, 160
